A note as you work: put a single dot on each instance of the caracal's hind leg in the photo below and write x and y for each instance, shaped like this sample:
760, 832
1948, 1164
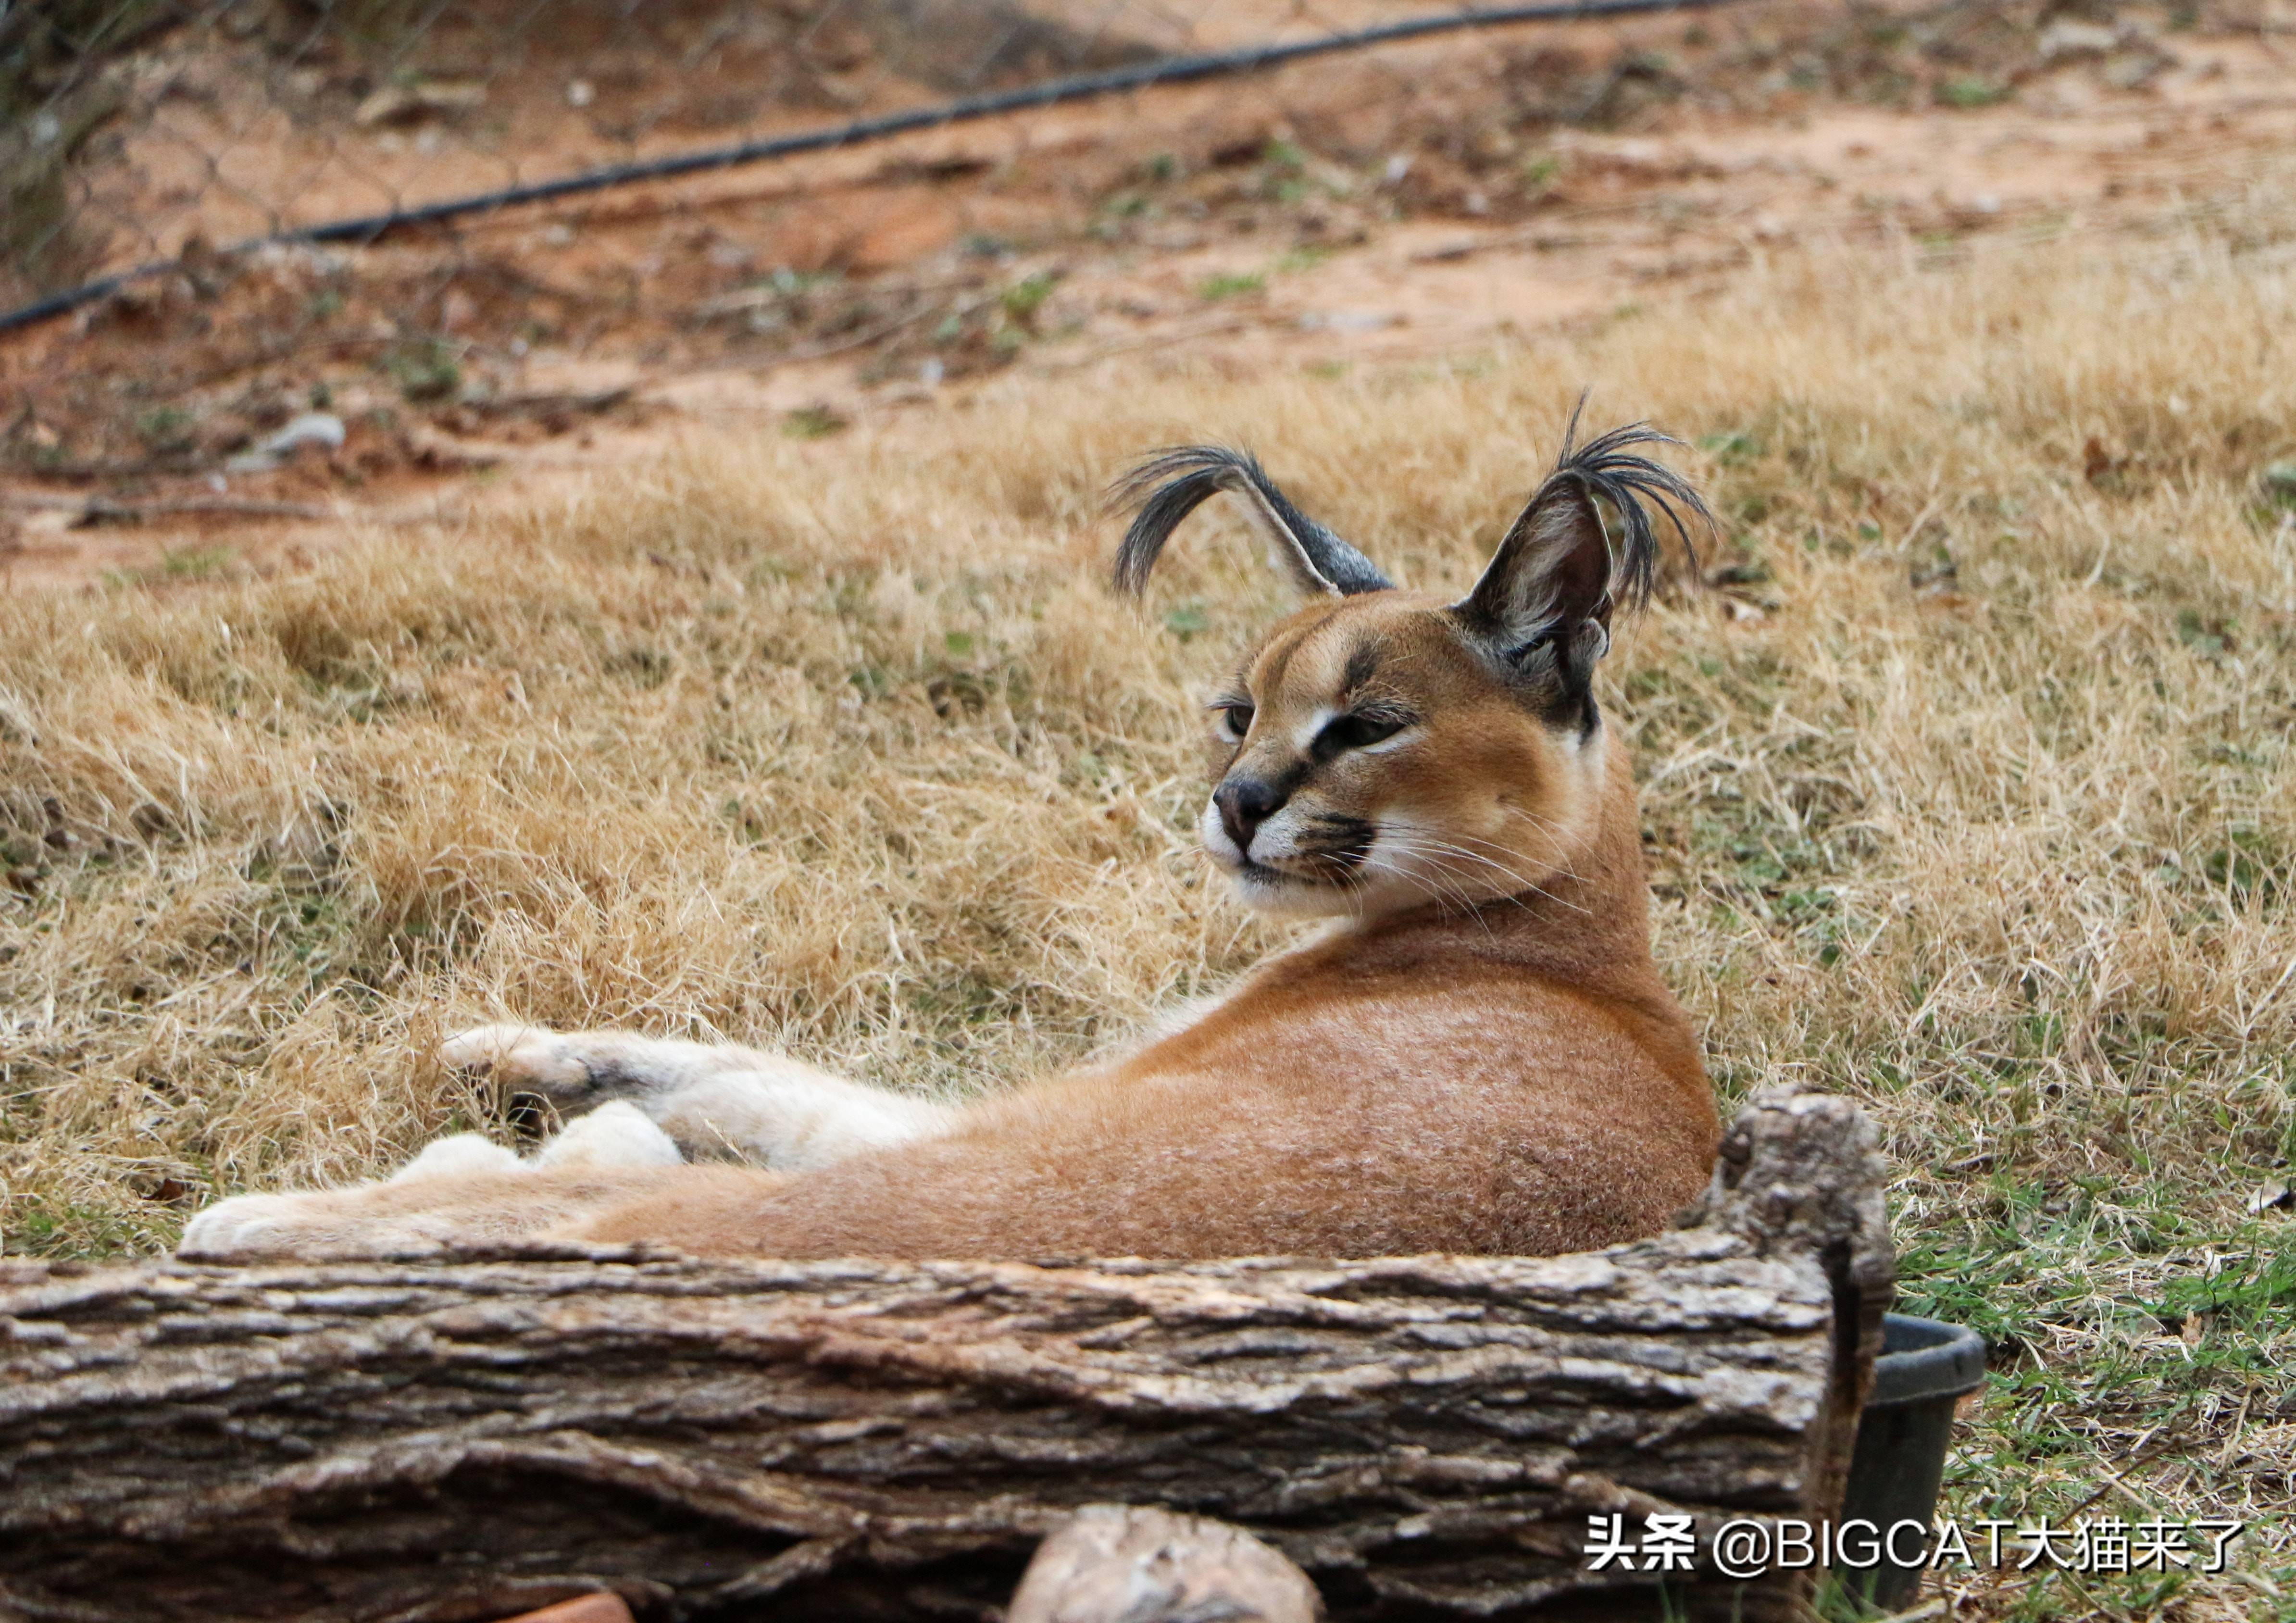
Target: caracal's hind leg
462, 1191
714, 1100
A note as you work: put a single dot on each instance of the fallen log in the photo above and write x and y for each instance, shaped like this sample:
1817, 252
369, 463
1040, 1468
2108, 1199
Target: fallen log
433, 1442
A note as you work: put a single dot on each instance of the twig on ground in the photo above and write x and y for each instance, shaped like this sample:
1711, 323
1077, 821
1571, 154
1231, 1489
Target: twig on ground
129, 511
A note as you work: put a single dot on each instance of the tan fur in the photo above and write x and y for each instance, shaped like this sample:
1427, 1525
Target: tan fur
1476, 1055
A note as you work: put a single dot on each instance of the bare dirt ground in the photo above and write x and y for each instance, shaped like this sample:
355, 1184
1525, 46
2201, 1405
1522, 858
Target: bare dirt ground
1422, 200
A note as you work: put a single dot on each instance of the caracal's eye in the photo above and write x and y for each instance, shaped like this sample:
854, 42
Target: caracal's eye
1235, 720
1357, 732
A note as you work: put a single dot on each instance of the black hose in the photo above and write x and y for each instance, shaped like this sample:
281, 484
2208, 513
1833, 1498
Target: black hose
1076, 87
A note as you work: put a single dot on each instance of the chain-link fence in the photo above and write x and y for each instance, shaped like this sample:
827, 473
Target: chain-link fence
241, 221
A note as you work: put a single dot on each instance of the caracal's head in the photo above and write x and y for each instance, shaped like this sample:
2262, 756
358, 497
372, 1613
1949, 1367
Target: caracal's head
1384, 749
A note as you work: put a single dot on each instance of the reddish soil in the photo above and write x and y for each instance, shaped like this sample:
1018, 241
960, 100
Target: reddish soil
1370, 207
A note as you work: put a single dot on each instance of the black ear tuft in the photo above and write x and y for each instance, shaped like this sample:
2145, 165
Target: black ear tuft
1172, 484
1559, 570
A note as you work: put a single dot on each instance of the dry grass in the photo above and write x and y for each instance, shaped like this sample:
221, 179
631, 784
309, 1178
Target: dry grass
1979, 804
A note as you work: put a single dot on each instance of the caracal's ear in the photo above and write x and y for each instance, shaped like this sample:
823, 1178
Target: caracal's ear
1172, 484
1559, 572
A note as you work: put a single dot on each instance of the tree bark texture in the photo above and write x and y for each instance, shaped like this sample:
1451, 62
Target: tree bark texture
432, 1442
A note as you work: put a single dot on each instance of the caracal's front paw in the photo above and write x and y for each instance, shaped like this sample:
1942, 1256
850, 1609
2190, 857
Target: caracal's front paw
616, 1134
319, 1224
579, 1070
464, 1155
245, 1225
525, 1059
459, 1191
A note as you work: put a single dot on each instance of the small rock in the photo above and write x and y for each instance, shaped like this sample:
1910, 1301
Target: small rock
2070, 39
1115, 1563
585, 1609
312, 428
410, 103
2271, 1195
2134, 70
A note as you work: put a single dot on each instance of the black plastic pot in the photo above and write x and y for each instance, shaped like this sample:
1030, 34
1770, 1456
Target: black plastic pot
1925, 1369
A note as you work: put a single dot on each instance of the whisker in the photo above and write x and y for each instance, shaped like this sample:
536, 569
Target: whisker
1569, 873
1441, 887
1420, 844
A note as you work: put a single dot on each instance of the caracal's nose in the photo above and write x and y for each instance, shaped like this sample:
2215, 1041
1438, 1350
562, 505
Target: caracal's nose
1244, 804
